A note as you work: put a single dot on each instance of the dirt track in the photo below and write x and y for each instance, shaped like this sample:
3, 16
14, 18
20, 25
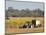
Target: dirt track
25, 30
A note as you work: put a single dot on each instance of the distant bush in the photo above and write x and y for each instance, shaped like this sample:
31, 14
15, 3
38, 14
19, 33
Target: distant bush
23, 13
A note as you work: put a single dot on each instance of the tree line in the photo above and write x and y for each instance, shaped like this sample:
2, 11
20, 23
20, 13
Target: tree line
10, 12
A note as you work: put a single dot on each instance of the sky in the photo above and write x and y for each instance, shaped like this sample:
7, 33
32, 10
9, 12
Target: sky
24, 5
